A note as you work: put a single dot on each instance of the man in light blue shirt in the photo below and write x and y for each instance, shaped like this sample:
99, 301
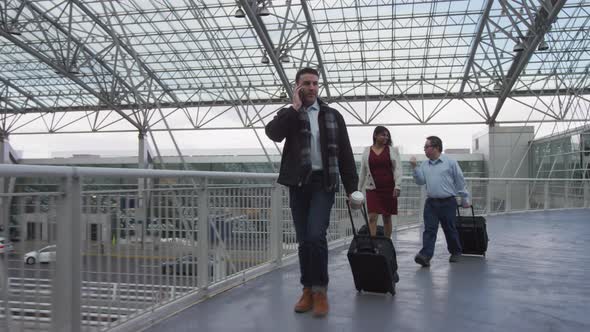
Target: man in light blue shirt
444, 181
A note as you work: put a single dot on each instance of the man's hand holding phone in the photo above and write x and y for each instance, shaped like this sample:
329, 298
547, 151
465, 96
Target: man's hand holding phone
297, 97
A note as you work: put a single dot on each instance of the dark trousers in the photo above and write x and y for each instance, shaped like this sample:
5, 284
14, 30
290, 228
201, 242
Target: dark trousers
443, 211
310, 207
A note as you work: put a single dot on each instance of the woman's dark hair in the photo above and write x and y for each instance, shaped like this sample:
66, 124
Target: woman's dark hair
435, 142
380, 129
306, 70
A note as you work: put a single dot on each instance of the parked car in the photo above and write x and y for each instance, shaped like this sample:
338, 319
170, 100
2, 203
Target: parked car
43, 255
177, 241
182, 265
185, 265
5, 246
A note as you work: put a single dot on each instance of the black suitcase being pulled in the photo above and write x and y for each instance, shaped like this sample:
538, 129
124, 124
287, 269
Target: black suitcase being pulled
472, 233
372, 261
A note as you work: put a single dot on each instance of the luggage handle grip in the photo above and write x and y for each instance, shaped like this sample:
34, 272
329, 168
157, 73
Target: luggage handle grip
472, 212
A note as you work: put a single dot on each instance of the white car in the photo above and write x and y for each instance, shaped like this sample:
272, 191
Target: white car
5, 246
43, 255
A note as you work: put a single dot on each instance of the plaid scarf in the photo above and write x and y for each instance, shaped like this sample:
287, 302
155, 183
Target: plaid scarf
333, 182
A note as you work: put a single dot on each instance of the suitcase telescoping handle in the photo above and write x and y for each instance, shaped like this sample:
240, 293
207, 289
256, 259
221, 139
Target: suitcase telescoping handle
472, 212
364, 213
351, 221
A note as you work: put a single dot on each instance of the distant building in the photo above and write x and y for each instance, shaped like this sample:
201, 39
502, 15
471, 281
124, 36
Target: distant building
235, 161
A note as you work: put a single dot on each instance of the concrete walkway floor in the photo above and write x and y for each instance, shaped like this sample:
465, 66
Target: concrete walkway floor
535, 277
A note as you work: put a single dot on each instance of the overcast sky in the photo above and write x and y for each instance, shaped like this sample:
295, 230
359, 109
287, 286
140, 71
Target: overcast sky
409, 138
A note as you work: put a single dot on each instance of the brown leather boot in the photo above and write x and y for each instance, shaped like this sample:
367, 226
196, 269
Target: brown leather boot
305, 302
320, 304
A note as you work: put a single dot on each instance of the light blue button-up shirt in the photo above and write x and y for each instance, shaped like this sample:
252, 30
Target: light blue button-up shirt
316, 152
443, 178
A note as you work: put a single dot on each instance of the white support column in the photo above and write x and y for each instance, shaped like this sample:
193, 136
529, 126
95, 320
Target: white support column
4, 182
67, 282
276, 224
141, 204
4, 148
203, 237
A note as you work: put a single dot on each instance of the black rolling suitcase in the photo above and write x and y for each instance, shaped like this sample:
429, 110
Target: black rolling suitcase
372, 261
472, 233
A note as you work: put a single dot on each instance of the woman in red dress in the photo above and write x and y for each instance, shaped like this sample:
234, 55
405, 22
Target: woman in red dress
381, 175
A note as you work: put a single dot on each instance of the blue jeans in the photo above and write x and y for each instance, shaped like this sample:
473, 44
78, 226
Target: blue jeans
310, 207
443, 211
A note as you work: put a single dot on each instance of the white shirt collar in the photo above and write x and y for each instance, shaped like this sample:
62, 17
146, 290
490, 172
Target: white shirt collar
314, 106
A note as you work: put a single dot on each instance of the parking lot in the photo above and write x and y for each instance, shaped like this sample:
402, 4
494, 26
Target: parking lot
116, 280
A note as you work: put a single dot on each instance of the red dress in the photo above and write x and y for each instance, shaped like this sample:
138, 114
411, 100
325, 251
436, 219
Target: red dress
381, 200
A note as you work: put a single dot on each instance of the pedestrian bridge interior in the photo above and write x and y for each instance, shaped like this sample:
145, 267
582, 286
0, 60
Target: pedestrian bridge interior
218, 240
158, 241
533, 278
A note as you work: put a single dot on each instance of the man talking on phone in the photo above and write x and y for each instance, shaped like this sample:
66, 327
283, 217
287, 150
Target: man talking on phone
316, 154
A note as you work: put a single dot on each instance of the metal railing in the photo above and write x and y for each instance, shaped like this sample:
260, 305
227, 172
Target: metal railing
133, 246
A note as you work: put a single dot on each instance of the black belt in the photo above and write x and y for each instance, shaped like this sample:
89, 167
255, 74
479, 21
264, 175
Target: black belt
441, 199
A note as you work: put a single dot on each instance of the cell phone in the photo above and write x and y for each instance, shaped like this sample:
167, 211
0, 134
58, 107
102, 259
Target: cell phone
301, 94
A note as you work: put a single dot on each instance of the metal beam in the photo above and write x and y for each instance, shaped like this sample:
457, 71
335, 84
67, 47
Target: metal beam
248, 6
92, 55
475, 44
18, 89
127, 49
316, 47
348, 124
343, 99
534, 36
65, 73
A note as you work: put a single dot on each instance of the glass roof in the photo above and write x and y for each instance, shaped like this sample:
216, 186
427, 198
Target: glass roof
139, 63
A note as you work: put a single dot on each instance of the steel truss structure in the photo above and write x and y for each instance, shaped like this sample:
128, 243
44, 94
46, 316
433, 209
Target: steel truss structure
166, 65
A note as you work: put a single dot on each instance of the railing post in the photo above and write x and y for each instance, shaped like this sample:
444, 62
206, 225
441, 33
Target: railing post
276, 224
587, 193
115, 292
203, 237
527, 197
5, 232
508, 204
546, 196
66, 281
566, 195
489, 197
